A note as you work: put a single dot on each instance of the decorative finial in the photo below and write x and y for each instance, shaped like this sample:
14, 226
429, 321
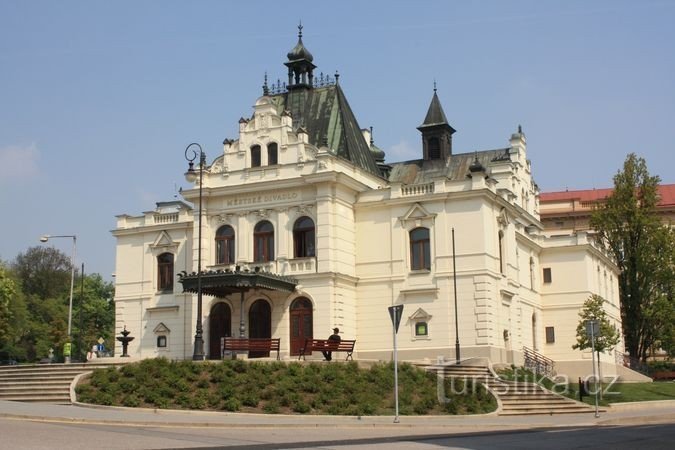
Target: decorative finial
520, 129
266, 90
372, 141
434, 85
300, 30
337, 76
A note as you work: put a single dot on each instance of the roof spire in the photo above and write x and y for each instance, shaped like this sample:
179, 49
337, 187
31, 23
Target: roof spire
372, 141
434, 85
300, 67
266, 90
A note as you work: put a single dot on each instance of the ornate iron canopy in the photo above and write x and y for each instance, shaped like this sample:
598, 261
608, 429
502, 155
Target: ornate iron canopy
220, 283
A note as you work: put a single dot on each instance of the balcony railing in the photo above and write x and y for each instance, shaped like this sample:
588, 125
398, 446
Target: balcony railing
166, 218
417, 189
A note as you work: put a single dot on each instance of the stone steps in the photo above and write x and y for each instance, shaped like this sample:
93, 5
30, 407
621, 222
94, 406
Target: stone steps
46, 383
514, 397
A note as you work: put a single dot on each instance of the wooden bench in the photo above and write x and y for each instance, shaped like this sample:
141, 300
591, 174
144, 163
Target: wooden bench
324, 345
250, 345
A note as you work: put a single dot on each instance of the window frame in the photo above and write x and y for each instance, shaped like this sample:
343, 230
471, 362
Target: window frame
272, 154
547, 275
420, 249
225, 245
256, 156
263, 242
304, 238
165, 339
550, 335
165, 272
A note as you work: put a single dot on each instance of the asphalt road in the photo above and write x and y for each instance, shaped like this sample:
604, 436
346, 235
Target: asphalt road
28, 434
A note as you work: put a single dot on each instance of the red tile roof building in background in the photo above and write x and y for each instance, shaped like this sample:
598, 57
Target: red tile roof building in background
568, 211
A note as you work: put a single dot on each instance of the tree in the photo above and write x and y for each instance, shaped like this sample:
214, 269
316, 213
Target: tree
13, 314
607, 338
7, 293
629, 228
44, 272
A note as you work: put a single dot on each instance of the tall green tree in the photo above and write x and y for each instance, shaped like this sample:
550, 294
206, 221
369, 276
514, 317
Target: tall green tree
607, 338
94, 313
13, 314
628, 226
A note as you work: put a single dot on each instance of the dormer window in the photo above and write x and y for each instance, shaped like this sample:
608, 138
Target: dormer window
255, 156
272, 158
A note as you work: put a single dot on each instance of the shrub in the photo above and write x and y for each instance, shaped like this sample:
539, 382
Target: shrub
131, 401
271, 407
231, 404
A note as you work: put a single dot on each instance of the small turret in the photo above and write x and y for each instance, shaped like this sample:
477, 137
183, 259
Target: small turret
436, 132
300, 67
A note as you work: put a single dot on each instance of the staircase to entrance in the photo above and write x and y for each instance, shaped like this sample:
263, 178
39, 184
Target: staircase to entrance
513, 397
44, 383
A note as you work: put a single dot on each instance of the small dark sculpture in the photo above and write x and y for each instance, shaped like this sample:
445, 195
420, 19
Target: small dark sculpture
125, 339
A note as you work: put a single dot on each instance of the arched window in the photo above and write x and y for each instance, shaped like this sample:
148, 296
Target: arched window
420, 255
272, 154
225, 245
165, 272
263, 242
434, 148
501, 252
255, 156
304, 238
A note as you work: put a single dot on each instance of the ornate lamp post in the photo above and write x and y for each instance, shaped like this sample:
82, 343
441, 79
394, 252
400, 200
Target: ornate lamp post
45, 238
191, 176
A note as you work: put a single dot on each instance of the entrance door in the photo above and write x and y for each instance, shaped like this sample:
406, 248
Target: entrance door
301, 324
259, 324
220, 325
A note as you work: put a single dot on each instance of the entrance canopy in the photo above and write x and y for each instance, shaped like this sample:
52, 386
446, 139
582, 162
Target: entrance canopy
220, 283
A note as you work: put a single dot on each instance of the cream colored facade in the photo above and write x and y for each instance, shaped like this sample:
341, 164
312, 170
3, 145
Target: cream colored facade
362, 258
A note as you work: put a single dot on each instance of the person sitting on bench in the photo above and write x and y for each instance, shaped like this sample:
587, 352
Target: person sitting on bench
335, 337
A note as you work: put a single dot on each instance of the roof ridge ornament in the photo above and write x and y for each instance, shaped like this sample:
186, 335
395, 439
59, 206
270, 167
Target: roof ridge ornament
266, 89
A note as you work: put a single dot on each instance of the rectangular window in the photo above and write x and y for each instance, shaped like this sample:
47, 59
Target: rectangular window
547, 275
550, 335
421, 329
161, 341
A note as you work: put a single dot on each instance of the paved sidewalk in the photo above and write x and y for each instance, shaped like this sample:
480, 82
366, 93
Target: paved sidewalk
637, 414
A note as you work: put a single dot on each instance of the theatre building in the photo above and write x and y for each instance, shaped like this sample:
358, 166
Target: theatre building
304, 228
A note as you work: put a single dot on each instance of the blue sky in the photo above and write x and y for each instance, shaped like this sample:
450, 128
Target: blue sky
99, 99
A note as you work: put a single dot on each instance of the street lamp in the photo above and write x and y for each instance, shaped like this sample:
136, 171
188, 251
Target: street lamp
192, 176
45, 238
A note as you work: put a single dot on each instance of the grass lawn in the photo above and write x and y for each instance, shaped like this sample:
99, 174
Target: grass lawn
281, 388
615, 393
633, 392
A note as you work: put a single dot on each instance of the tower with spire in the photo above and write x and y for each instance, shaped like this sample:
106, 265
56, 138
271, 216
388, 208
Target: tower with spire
436, 132
300, 66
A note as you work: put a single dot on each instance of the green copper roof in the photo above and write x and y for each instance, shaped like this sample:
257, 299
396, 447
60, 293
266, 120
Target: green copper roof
456, 167
329, 121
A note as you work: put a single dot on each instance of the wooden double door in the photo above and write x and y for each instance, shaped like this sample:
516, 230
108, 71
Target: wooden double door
302, 326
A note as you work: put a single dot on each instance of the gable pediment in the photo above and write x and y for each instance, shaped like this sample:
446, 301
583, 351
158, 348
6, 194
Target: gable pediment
161, 328
420, 314
417, 215
163, 242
